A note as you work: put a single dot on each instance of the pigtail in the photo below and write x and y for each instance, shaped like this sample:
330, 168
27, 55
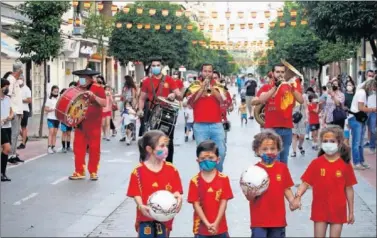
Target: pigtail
345, 152
321, 152
142, 151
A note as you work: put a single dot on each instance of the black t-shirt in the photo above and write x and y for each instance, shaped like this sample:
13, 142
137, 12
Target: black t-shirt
251, 87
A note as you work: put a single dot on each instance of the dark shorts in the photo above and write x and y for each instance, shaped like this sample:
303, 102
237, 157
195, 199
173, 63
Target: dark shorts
65, 128
153, 230
314, 127
53, 123
6, 135
222, 235
25, 119
261, 232
190, 126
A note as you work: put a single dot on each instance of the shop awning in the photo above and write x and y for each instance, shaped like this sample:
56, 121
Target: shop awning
8, 46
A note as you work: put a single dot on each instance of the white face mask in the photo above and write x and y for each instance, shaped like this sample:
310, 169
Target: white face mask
20, 82
330, 148
349, 88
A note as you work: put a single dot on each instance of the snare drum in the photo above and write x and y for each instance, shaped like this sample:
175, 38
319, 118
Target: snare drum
164, 116
72, 106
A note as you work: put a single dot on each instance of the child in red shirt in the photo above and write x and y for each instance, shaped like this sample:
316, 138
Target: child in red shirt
331, 176
151, 175
314, 124
209, 193
267, 211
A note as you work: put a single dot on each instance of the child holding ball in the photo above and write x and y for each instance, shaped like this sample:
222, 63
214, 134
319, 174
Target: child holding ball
267, 211
151, 175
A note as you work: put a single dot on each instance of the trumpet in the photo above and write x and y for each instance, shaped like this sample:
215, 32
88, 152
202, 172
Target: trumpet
207, 82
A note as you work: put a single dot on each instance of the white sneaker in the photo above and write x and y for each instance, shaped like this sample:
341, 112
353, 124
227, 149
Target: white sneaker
49, 150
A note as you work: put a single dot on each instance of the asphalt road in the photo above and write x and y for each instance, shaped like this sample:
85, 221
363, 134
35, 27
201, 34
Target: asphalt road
41, 201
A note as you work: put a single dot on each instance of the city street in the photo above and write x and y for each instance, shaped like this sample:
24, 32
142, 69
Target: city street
41, 201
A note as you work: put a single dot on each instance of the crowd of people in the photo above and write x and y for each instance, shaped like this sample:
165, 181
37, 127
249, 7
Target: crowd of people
293, 114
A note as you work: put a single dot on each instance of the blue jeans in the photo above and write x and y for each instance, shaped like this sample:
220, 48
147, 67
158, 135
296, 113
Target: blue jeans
214, 132
152, 230
272, 232
222, 235
286, 137
372, 129
357, 132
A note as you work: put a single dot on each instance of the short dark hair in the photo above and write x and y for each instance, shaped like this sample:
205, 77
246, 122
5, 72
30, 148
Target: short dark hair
217, 73
277, 65
324, 88
73, 83
370, 71
311, 97
155, 58
62, 91
243, 100
4, 82
207, 146
205, 64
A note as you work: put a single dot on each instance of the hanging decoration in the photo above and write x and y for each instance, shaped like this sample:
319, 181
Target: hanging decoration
250, 26
86, 5
157, 27
231, 26
189, 27
114, 8
179, 13
214, 15
240, 15
178, 27
267, 14
293, 23
227, 14
147, 26
75, 3
152, 12
304, 22
187, 13
165, 12
242, 26
126, 9
118, 25
282, 24
139, 26
139, 10
272, 24
168, 27
201, 14
129, 25
293, 13
254, 15
70, 21
261, 25
280, 12
100, 6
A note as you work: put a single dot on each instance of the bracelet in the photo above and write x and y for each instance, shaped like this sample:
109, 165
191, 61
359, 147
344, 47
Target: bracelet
297, 195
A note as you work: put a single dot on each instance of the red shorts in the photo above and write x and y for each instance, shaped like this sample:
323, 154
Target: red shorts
106, 114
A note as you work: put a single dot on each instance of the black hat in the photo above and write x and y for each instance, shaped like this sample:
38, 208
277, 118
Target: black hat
85, 72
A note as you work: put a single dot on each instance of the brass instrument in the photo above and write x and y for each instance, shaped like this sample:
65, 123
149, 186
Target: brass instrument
196, 86
289, 78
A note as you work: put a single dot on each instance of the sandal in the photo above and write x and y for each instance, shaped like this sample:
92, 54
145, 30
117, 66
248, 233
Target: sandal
302, 151
293, 154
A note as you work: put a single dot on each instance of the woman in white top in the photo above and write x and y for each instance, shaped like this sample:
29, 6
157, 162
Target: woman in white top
357, 122
52, 121
6, 130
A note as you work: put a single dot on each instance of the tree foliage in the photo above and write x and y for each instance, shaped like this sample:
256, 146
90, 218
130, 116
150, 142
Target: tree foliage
344, 20
174, 46
40, 40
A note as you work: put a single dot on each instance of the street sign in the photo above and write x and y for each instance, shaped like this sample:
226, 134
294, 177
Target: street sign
182, 69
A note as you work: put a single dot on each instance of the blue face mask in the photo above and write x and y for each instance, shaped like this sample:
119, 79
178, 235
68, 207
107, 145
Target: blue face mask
82, 81
207, 165
156, 70
269, 158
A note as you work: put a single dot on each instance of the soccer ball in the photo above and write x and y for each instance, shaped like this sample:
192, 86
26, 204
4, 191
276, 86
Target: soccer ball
254, 177
163, 205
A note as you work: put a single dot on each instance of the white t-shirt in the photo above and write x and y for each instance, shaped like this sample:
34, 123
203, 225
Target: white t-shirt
372, 101
26, 93
360, 96
189, 114
5, 111
51, 103
15, 95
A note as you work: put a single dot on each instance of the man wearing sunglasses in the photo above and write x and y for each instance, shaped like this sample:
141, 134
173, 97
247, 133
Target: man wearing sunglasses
154, 86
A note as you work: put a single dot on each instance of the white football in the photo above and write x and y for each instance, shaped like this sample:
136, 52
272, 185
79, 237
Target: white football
163, 205
254, 177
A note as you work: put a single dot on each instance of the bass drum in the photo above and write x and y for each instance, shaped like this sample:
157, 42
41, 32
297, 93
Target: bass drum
71, 107
163, 119
259, 114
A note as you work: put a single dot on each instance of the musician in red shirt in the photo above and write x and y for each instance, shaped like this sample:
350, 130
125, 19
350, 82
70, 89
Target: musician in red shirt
206, 103
88, 133
153, 87
279, 98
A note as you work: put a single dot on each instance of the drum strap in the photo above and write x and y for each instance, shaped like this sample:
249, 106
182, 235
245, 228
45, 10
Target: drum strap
156, 91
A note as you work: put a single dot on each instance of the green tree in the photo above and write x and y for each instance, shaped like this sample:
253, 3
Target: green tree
40, 39
98, 26
344, 20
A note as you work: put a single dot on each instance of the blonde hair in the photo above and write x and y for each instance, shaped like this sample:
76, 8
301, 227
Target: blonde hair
267, 134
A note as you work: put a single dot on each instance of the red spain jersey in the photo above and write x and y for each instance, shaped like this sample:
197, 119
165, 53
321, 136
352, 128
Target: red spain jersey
209, 195
268, 210
313, 116
329, 180
179, 83
164, 90
144, 182
94, 113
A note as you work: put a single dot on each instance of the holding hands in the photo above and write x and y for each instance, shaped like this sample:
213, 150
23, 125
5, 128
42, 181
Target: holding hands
295, 203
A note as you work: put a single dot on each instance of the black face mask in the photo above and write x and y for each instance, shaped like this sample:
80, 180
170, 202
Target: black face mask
334, 87
6, 91
54, 95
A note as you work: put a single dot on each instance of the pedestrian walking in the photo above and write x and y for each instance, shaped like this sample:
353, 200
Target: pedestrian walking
15, 95
26, 100
106, 114
88, 133
209, 193
298, 130
6, 129
66, 133
313, 111
267, 211
251, 89
128, 122
331, 171
189, 121
242, 110
52, 122
151, 175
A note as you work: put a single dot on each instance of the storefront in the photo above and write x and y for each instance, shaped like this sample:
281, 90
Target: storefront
9, 54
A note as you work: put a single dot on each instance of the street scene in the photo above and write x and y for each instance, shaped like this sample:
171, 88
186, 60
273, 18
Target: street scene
237, 119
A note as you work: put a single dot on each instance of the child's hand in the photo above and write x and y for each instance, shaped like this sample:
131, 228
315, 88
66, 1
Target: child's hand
296, 203
213, 228
178, 196
351, 218
251, 194
144, 210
